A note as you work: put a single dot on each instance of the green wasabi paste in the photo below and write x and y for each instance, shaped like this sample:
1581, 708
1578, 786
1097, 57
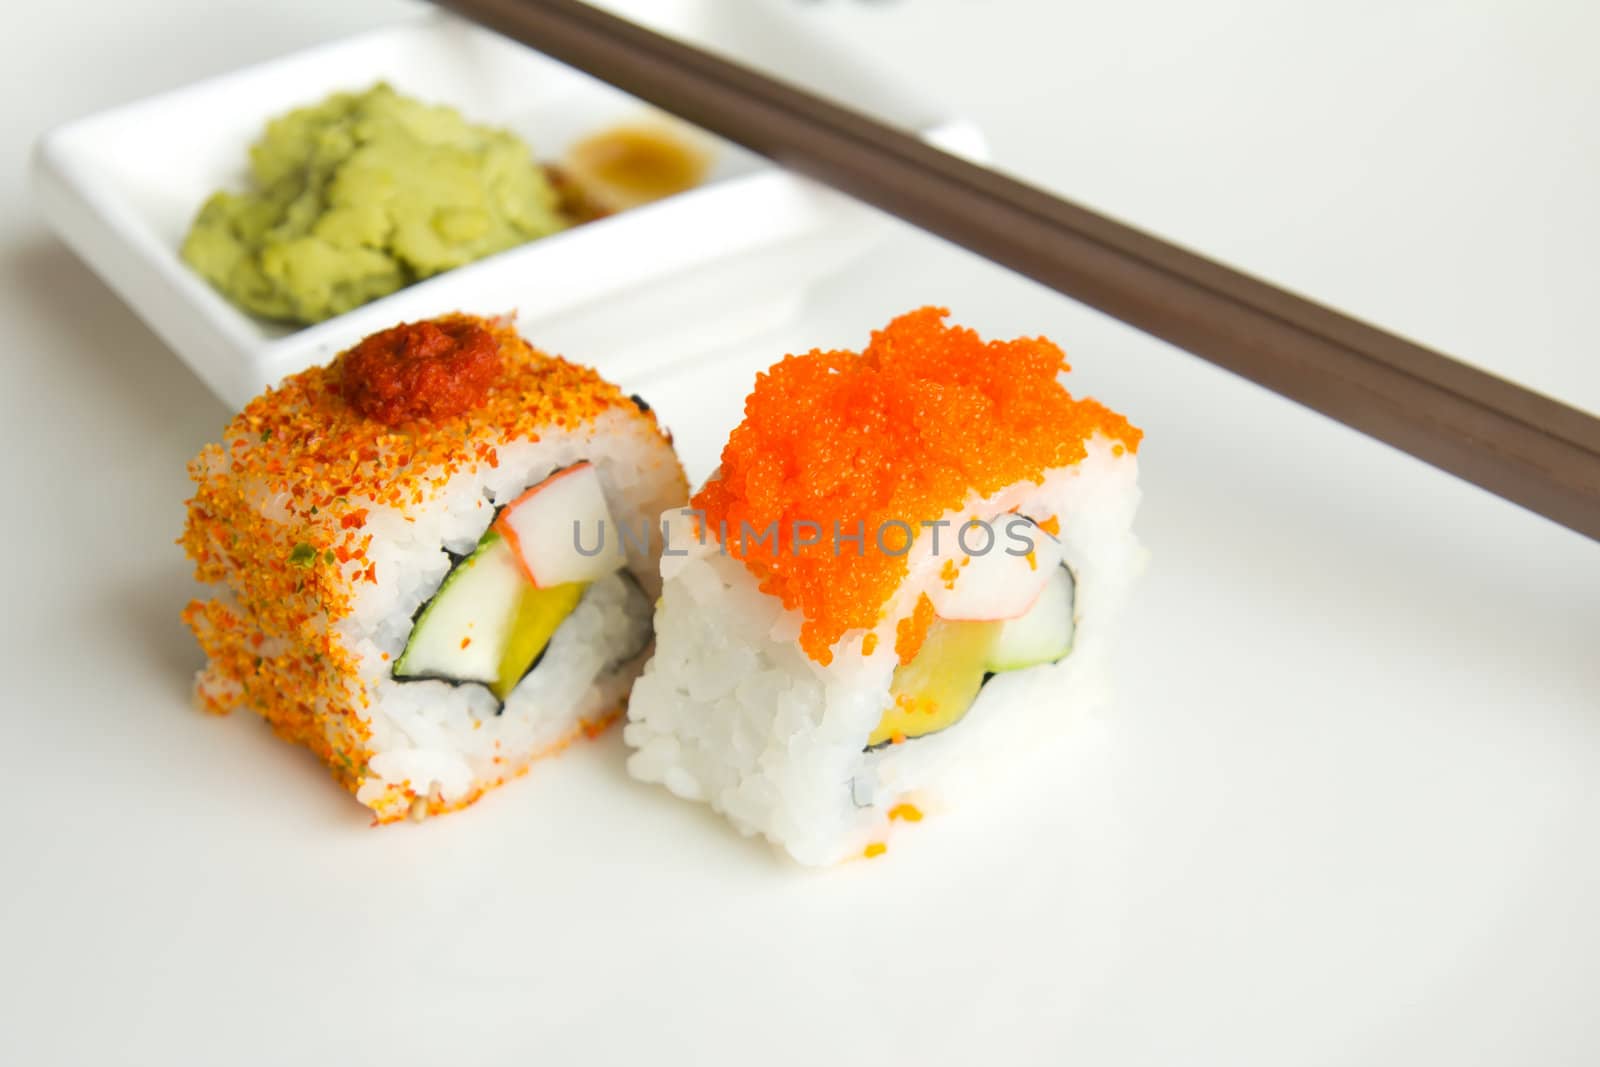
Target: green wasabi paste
361, 195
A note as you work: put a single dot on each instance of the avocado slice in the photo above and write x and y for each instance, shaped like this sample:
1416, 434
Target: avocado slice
934, 690
487, 624
940, 683
539, 613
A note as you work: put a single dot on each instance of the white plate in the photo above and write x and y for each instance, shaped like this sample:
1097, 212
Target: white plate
1342, 812
122, 187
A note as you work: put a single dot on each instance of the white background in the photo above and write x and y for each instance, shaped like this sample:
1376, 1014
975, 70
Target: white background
1344, 810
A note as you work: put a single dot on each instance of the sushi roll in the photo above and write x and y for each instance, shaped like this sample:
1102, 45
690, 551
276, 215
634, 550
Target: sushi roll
396, 576
905, 571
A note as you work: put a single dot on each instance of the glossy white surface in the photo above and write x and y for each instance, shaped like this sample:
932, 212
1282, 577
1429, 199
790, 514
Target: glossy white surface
1343, 812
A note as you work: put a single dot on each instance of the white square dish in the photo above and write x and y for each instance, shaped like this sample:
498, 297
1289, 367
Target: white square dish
699, 269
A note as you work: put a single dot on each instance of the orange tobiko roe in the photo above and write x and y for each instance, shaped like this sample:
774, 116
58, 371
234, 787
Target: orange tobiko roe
904, 432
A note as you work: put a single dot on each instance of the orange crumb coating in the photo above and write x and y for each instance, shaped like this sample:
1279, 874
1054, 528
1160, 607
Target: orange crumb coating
904, 432
277, 524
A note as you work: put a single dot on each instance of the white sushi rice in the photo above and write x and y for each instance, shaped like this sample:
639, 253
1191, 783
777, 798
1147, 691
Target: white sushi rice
440, 740
730, 711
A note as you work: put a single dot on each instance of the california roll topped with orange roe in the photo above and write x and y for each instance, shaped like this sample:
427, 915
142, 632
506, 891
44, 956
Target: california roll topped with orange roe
927, 416
906, 569
395, 579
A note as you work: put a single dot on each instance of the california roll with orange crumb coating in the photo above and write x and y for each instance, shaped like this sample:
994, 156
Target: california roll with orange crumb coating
905, 571
398, 580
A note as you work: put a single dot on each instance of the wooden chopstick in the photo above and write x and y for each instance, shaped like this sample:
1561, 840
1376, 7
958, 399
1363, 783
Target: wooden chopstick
1523, 446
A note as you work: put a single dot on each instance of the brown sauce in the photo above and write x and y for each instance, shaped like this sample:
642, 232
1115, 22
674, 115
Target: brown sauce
630, 165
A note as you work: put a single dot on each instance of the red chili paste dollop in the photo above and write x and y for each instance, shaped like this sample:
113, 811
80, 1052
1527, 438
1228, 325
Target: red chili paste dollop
421, 370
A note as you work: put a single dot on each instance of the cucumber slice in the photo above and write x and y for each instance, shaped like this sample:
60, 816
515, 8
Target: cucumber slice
460, 635
487, 623
1044, 634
